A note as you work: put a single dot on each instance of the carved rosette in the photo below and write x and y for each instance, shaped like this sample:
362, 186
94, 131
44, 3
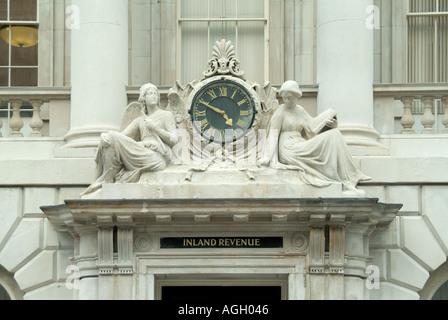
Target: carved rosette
299, 242
224, 61
144, 242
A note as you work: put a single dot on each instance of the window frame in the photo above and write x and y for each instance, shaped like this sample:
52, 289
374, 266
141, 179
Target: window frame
209, 21
9, 23
435, 32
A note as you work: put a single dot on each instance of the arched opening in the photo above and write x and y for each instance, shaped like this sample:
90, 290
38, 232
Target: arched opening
441, 293
9, 289
436, 288
4, 294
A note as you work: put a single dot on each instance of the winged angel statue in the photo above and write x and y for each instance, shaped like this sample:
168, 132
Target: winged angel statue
147, 134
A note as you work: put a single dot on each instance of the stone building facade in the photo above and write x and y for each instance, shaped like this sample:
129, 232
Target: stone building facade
381, 64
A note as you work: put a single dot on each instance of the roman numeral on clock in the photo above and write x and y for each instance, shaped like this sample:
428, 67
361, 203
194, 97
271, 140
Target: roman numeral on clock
204, 124
241, 124
199, 113
223, 91
212, 94
242, 102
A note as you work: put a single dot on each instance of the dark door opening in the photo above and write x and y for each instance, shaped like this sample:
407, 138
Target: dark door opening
221, 293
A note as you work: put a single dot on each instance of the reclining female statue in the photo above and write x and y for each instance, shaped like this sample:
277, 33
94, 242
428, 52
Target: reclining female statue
313, 146
144, 145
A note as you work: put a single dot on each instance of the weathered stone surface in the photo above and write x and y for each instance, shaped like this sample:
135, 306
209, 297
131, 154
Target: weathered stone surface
10, 212
405, 271
419, 242
23, 245
39, 271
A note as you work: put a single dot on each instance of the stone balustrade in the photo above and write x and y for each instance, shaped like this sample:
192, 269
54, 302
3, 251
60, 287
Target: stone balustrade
418, 108
433, 107
399, 109
16, 122
27, 112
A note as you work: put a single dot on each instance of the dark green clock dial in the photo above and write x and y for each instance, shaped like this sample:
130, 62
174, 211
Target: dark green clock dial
222, 111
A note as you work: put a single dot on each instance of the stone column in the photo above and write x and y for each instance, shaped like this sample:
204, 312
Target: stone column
345, 71
86, 262
99, 70
357, 258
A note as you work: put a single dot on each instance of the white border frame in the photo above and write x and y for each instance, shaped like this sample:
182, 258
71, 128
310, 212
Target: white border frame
157, 270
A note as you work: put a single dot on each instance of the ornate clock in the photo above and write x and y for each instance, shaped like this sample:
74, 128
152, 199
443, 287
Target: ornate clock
222, 111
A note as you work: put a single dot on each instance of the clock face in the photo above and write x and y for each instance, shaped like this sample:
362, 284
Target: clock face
223, 111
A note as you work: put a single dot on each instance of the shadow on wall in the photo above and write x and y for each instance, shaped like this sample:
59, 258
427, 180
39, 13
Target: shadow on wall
3, 294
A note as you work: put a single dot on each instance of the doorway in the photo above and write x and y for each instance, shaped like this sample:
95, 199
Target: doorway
221, 293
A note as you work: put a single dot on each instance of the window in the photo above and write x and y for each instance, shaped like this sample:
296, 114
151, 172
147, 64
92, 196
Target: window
203, 22
18, 43
428, 41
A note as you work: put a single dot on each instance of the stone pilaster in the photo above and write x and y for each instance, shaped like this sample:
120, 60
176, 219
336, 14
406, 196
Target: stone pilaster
317, 257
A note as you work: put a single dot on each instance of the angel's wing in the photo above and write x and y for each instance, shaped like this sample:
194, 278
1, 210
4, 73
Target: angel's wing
176, 105
269, 102
132, 112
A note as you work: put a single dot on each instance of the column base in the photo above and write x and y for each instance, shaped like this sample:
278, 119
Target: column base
88, 137
363, 141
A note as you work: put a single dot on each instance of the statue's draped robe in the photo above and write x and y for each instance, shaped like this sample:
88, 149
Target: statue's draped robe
321, 158
123, 157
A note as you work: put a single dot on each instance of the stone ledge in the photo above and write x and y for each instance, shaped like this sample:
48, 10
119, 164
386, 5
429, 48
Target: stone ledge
140, 211
218, 183
421, 170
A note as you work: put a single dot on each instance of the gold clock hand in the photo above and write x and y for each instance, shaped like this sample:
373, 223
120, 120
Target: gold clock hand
221, 112
229, 122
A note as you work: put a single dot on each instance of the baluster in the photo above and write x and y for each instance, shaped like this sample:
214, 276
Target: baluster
445, 117
407, 121
2, 103
36, 122
16, 123
428, 118
1, 125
